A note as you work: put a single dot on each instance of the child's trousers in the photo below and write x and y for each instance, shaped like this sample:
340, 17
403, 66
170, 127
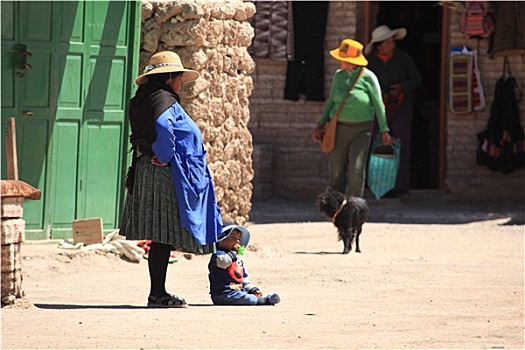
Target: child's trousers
237, 297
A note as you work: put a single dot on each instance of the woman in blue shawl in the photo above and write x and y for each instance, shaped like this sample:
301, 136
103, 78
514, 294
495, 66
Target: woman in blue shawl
170, 198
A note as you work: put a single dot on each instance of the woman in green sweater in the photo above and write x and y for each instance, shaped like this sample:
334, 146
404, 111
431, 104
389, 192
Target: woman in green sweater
347, 161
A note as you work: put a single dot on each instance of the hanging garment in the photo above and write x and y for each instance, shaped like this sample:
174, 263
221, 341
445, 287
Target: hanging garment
509, 36
501, 145
466, 91
305, 74
460, 96
271, 30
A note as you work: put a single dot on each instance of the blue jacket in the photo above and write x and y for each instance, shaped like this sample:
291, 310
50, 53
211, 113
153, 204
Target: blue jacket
179, 142
227, 273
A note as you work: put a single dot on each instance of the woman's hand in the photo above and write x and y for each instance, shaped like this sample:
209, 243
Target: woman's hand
386, 138
317, 135
396, 90
258, 294
156, 162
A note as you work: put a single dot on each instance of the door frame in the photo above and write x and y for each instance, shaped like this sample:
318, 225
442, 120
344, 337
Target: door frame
443, 83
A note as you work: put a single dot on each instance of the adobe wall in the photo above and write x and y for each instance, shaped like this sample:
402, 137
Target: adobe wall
212, 38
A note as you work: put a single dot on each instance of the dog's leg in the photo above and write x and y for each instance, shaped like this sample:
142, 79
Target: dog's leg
348, 245
357, 249
347, 240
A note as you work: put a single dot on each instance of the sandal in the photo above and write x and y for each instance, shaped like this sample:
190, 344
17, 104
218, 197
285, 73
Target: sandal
167, 301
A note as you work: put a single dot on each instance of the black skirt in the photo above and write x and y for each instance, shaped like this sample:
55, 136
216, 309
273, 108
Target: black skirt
152, 211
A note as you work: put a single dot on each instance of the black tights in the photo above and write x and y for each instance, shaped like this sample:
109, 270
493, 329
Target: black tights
159, 256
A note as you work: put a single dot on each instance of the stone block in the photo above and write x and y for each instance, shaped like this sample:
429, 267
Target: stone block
12, 207
13, 231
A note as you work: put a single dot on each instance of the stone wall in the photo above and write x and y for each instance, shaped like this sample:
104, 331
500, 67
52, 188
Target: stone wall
212, 38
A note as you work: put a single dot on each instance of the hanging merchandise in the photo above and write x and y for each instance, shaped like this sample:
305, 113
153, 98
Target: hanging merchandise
466, 91
477, 20
509, 37
501, 144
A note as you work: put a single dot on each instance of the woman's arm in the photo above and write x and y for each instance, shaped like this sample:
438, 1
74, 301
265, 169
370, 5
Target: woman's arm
164, 145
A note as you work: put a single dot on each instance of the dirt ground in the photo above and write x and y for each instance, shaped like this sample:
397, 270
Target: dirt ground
440, 277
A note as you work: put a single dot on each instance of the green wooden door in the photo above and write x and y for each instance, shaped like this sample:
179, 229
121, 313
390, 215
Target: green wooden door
70, 107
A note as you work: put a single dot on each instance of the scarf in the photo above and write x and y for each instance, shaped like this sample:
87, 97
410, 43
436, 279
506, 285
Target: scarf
149, 102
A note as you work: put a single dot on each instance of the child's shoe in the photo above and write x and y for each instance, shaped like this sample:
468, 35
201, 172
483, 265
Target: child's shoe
273, 299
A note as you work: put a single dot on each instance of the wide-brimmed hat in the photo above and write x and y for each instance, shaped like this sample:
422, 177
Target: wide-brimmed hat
382, 33
227, 229
350, 51
166, 62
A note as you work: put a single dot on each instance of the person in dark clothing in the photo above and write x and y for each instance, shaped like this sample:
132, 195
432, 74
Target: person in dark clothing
398, 77
170, 197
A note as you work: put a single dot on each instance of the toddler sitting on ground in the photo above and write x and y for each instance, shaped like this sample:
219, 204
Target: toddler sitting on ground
229, 284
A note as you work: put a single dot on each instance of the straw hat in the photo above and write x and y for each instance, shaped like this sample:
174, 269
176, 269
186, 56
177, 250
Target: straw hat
166, 62
382, 33
350, 51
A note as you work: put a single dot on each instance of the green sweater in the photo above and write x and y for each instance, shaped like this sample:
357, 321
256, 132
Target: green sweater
363, 102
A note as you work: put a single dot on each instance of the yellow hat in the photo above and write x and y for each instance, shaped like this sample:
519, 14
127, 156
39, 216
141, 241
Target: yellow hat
166, 62
350, 51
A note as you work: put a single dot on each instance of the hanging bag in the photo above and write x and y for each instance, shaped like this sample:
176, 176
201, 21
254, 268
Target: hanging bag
327, 134
501, 145
383, 166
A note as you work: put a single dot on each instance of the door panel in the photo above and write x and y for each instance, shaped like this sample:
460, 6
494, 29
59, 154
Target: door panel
99, 173
32, 150
107, 73
38, 21
35, 85
69, 103
109, 33
64, 182
35, 112
8, 81
72, 29
70, 93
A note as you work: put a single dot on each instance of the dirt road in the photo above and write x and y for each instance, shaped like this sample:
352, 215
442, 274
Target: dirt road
431, 284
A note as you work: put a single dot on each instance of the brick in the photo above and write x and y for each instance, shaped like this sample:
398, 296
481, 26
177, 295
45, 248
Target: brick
11, 258
12, 207
13, 231
12, 284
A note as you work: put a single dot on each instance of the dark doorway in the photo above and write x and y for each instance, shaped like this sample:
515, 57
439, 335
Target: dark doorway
423, 21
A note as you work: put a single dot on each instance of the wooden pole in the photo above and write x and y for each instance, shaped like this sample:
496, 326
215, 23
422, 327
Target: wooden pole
445, 56
10, 148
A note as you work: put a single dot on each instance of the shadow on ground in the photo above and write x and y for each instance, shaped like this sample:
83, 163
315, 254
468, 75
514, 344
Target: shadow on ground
421, 208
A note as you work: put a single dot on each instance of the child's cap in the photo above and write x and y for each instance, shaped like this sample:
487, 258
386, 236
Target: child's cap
227, 229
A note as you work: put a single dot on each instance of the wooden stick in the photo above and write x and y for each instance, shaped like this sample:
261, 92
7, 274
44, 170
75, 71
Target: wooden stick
10, 147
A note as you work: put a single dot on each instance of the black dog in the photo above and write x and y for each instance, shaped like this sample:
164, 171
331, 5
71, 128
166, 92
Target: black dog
347, 213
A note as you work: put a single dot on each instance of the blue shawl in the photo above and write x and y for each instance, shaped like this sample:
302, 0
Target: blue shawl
179, 142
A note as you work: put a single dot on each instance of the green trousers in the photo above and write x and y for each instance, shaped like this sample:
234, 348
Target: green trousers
348, 160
